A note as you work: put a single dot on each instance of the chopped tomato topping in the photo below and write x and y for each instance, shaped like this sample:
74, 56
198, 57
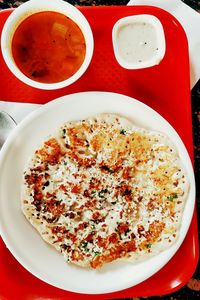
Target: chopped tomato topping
113, 238
76, 189
127, 173
113, 253
155, 228
59, 229
123, 227
33, 178
77, 255
55, 207
89, 238
82, 226
51, 152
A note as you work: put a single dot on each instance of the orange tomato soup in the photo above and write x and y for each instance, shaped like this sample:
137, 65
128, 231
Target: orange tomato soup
48, 47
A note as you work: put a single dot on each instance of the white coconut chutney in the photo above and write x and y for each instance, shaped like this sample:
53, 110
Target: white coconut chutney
138, 41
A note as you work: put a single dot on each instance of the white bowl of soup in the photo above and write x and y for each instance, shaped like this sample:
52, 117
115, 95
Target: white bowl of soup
47, 44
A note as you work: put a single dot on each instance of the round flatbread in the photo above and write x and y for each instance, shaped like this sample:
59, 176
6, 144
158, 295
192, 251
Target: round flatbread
103, 189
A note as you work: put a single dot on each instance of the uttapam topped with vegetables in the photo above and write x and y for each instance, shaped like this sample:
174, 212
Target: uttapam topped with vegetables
104, 189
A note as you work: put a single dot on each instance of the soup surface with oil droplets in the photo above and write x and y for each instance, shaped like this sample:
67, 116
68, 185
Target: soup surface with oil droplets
48, 47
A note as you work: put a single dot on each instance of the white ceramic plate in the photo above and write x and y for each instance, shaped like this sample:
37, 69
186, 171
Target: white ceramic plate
23, 240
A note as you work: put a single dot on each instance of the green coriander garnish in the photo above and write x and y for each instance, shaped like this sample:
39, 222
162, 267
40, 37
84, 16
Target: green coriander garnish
93, 225
148, 246
102, 193
105, 168
114, 202
84, 244
172, 197
96, 253
123, 131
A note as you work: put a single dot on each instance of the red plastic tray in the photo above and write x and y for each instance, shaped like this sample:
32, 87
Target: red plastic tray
165, 88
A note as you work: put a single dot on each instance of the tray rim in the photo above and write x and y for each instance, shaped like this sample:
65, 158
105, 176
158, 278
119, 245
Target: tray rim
194, 219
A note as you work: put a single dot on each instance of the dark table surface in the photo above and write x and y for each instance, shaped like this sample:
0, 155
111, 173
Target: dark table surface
191, 291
